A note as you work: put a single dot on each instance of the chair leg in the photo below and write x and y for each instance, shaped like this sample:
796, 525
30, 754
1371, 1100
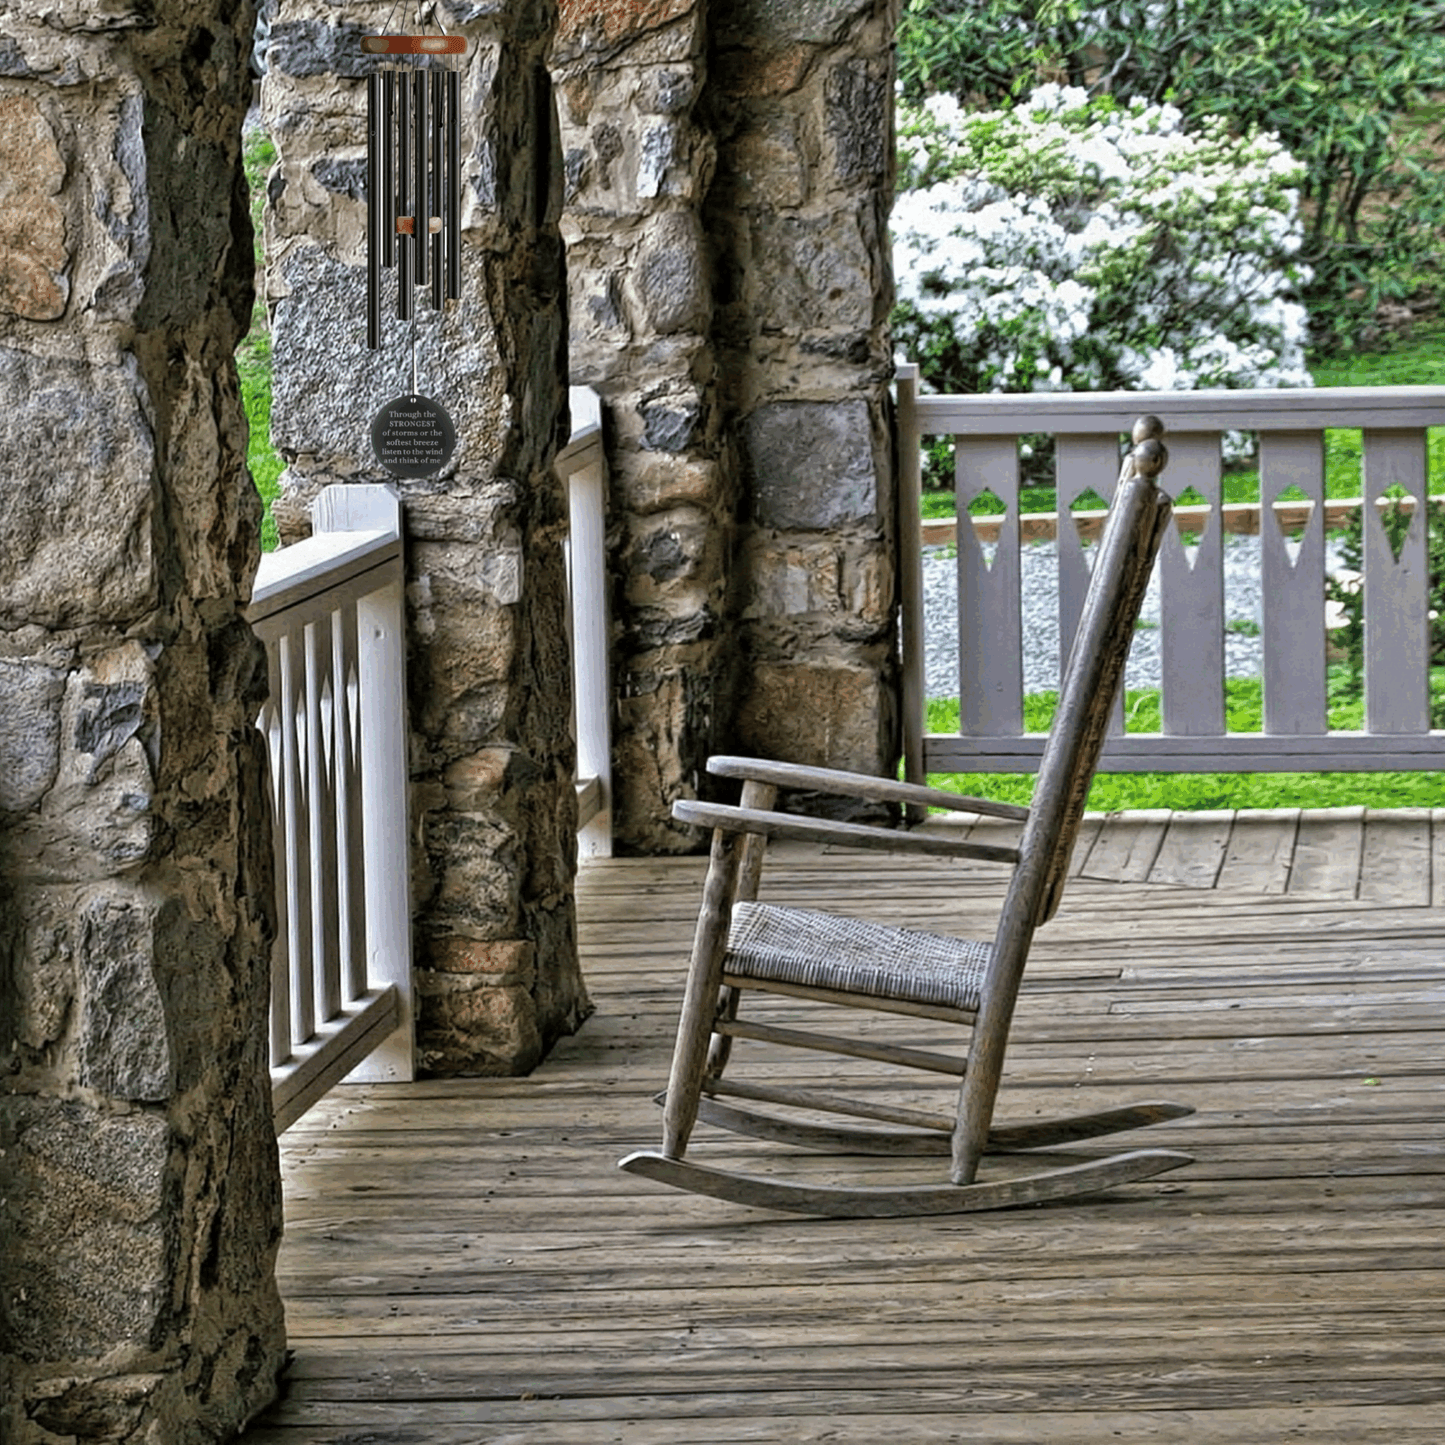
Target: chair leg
721, 1048
986, 1050
975, 1114
747, 876
699, 1004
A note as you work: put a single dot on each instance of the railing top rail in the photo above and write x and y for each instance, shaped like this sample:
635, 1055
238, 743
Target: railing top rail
584, 448
1261, 409
585, 443
302, 572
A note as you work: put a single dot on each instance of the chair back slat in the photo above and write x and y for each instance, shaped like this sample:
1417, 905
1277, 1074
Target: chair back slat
1093, 675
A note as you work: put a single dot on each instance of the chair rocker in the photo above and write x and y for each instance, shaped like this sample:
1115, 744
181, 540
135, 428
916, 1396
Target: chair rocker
742, 944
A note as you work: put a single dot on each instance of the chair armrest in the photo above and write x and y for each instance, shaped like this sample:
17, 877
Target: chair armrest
859, 785
733, 819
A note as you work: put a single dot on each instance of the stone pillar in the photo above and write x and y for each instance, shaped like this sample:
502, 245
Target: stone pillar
729, 177
802, 103
139, 1190
638, 162
493, 805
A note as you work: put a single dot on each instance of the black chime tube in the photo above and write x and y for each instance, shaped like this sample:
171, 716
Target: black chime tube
387, 186
375, 138
452, 216
422, 137
438, 169
404, 210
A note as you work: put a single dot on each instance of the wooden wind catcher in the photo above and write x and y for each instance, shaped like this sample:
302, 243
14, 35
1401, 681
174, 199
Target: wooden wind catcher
413, 175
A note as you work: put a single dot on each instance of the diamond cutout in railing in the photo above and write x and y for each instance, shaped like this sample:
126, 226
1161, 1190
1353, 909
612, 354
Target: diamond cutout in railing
1395, 510
1291, 510
298, 731
353, 711
1084, 511
1192, 530
270, 724
328, 726
987, 505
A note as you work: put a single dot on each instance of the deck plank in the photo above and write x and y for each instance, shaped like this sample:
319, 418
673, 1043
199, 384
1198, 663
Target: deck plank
1395, 858
1126, 846
1260, 852
464, 1262
1327, 853
1193, 849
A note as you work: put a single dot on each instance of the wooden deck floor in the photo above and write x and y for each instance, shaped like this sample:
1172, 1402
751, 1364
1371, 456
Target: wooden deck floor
464, 1265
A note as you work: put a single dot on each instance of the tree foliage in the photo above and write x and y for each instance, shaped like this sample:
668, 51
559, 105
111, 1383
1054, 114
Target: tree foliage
1067, 243
1346, 85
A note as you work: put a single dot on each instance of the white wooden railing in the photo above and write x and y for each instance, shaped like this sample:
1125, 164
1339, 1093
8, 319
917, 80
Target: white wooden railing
329, 611
582, 467
1087, 428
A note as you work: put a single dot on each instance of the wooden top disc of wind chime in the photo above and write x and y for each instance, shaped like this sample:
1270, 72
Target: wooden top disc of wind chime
413, 226
414, 44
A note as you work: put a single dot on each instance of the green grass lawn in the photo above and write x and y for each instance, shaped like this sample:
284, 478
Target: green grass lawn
1191, 791
253, 363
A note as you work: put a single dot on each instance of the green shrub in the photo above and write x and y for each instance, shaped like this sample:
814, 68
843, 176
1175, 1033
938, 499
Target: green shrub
1346, 85
1069, 244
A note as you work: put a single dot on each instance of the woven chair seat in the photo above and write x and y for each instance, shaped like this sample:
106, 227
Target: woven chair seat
821, 950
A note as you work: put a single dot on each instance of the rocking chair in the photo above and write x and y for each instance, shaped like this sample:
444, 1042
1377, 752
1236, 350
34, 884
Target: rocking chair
742, 944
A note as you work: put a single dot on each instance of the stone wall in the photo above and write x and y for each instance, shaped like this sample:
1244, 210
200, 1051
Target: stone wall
494, 812
802, 100
729, 176
139, 1188
639, 160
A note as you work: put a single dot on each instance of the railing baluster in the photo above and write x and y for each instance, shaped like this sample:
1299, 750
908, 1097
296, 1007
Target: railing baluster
321, 729
296, 833
990, 644
1191, 598
271, 728
381, 647
1293, 624
1397, 643
350, 882
1082, 464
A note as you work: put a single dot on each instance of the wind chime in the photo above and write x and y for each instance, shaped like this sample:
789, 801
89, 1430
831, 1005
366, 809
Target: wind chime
413, 221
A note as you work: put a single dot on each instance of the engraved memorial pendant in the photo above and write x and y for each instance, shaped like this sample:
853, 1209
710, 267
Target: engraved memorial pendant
413, 437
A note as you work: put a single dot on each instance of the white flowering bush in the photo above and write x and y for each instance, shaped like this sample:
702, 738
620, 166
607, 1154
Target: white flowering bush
1078, 244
